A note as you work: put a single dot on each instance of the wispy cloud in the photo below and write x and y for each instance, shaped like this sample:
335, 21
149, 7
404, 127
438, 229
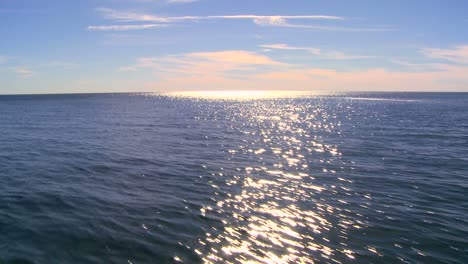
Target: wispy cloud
333, 55
234, 56
3, 59
458, 54
282, 21
419, 66
129, 16
124, 27
216, 62
315, 51
23, 72
27, 71
342, 29
260, 20
337, 55
237, 69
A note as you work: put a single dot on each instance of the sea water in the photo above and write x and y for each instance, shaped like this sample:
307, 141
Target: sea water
148, 178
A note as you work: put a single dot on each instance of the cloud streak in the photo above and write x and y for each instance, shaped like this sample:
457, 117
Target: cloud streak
333, 55
128, 16
458, 54
217, 62
235, 57
281, 46
260, 20
23, 72
124, 27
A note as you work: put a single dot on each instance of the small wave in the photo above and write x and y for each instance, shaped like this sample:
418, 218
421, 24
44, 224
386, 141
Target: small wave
243, 95
382, 99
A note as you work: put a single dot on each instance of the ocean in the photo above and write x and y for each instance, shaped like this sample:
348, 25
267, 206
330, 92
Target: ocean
160, 178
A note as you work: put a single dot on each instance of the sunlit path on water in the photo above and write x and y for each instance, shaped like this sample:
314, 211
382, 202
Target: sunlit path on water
243, 95
286, 200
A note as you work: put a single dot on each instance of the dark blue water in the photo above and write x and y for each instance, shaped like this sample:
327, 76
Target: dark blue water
122, 178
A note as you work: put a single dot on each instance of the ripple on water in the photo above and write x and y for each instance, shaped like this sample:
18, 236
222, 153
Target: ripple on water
287, 179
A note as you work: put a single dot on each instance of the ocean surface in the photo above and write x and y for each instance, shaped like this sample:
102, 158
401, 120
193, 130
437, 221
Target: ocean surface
147, 178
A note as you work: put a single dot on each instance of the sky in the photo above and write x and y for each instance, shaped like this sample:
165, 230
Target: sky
56, 46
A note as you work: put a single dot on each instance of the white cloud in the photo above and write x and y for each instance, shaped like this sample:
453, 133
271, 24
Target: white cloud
315, 51
343, 29
419, 66
205, 63
3, 59
233, 56
261, 20
458, 54
282, 21
24, 72
129, 16
124, 27
337, 55
274, 20
334, 55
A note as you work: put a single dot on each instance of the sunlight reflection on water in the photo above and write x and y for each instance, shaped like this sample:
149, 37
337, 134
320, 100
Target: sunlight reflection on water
276, 209
242, 95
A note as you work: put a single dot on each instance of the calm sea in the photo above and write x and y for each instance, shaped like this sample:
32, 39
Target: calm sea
140, 178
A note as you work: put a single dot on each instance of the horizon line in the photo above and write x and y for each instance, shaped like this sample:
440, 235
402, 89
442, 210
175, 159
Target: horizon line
166, 92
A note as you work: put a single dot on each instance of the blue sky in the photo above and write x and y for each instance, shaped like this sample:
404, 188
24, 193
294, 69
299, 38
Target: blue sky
53, 46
